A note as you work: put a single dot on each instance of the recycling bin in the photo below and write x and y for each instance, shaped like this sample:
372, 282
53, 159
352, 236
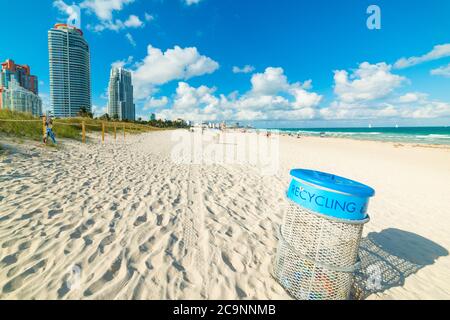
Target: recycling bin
320, 235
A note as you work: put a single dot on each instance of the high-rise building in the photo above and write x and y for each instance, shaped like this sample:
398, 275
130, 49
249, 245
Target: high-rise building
70, 71
21, 74
120, 104
19, 89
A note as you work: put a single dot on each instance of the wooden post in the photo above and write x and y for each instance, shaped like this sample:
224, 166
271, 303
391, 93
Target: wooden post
44, 118
115, 134
83, 132
103, 132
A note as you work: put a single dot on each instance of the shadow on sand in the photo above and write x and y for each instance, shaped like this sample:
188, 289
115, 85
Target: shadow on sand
389, 257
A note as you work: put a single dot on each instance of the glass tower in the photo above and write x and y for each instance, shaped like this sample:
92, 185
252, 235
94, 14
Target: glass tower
70, 80
120, 104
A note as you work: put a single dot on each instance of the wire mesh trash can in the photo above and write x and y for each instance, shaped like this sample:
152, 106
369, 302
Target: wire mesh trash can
320, 235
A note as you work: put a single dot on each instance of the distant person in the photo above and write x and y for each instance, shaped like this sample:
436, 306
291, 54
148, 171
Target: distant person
49, 130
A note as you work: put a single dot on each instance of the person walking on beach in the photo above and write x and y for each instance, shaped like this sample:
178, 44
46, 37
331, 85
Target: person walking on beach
49, 129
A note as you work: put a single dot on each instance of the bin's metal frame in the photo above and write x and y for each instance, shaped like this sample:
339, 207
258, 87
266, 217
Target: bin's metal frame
349, 270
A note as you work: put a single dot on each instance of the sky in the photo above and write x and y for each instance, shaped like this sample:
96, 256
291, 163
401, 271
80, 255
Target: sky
267, 63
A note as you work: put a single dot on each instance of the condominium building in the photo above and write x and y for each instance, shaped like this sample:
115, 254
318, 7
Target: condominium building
19, 89
20, 73
70, 79
120, 104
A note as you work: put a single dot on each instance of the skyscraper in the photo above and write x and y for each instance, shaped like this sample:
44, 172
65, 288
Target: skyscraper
120, 105
19, 89
70, 79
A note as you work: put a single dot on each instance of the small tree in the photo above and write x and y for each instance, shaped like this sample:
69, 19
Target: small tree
84, 113
105, 117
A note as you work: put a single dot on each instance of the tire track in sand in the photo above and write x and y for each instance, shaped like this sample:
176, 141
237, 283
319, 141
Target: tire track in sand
195, 235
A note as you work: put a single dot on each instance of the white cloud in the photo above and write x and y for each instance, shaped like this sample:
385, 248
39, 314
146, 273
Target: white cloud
369, 93
149, 17
296, 102
413, 105
303, 98
368, 82
191, 2
262, 102
160, 67
188, 97
428, 110
98, 111
196, 104
72, 12
122, 63
272, 94
412, 97
130, 39
246, 69
133, 22
104, 9
45, 97
441, 71
117, 25
438, 52
270, 82
155, 103
63, 7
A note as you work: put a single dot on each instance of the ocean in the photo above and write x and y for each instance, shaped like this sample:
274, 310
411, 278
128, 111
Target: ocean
422, 135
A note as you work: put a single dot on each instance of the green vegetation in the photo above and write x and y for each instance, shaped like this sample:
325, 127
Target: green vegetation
30, 127
83, 113
179, 124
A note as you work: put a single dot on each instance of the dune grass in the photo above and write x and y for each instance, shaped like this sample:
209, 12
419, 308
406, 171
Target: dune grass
96, 125
30, 127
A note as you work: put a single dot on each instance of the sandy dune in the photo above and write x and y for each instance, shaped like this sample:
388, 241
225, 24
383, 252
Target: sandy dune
124, 221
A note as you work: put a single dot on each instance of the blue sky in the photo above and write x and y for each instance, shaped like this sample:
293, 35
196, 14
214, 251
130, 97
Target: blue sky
270, 63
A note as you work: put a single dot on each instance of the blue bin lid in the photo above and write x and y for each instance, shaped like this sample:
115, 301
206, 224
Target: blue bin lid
333, 182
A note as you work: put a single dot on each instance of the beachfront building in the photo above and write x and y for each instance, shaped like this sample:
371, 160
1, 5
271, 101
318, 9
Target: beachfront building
19, 89
120, 104
10, 71
70, 79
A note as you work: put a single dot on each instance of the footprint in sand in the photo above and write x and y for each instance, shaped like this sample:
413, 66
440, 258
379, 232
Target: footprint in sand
9, 260
108, 276
52, 213
233, 263
140, 220
16, 283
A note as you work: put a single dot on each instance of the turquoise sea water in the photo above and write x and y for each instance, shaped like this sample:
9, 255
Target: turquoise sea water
423, 135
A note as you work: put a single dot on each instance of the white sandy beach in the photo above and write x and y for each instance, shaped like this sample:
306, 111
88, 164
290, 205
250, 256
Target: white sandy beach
123, 221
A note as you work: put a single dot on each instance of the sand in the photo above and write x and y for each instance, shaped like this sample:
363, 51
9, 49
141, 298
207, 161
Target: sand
125, 221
